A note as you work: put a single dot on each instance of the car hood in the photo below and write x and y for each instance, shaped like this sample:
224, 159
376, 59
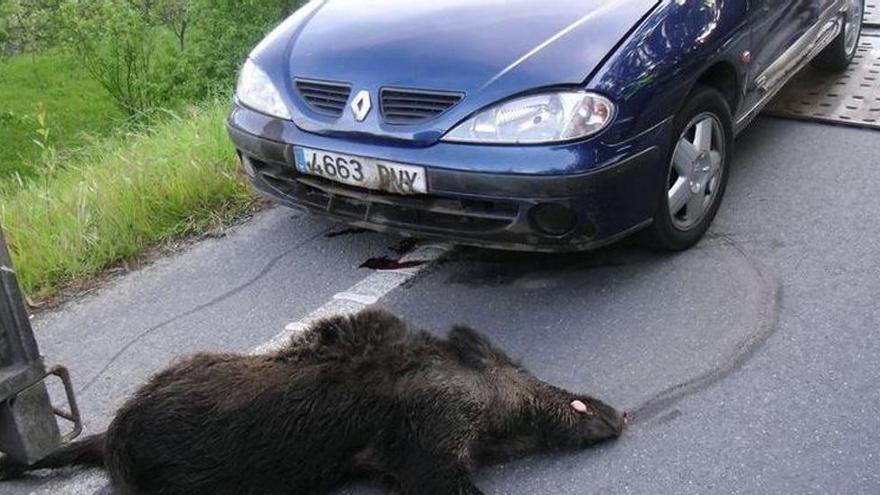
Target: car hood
486, 49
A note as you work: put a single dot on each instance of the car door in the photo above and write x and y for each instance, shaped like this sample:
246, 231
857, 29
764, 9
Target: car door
777, 26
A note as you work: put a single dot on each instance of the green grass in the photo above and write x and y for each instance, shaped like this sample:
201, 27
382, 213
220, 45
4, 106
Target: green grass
121, 195
76, 109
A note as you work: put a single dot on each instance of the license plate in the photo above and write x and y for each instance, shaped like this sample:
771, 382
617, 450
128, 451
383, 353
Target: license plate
364, 172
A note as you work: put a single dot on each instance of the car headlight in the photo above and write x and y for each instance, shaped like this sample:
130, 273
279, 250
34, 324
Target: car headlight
542, 118
255, 90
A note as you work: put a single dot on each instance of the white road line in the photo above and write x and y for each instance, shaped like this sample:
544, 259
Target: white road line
87, 482
365, 293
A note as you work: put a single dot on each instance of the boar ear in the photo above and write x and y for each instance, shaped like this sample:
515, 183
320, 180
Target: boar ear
370, 327
374, 326
474, 349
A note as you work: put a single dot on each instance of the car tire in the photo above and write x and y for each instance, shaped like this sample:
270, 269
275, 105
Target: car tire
837, 56
697, 168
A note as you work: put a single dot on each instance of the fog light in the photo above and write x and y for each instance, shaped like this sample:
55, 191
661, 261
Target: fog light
552, 219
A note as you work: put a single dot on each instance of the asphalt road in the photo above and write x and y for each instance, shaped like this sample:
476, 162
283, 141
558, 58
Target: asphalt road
751, 361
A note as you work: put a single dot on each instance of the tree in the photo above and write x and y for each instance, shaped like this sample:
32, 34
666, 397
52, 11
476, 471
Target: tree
174, 14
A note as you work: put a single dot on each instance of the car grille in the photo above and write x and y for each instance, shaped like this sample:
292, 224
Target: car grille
408, 106
324, 97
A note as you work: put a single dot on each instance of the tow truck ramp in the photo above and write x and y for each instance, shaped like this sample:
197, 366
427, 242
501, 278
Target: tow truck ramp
851, 98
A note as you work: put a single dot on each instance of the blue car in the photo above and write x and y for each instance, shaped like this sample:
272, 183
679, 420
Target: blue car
543, 126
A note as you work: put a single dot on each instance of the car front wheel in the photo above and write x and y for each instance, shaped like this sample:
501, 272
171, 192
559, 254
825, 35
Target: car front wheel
837, 56
697, 172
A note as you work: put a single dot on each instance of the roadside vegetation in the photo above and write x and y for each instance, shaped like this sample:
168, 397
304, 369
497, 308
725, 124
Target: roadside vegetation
48, 93
112, 136
122, 195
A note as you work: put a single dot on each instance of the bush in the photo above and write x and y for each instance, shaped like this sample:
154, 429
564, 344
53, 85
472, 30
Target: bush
116, 43
27, 25
150, 53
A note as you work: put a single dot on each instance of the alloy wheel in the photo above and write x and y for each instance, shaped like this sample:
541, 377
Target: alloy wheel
696, 171
853, 25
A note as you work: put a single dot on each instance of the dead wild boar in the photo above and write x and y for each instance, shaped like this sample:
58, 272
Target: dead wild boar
353, 397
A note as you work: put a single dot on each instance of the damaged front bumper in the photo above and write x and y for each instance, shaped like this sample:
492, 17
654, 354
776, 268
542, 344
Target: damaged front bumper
548, 212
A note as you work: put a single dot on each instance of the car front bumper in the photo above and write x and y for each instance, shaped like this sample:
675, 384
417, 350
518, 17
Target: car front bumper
490, 196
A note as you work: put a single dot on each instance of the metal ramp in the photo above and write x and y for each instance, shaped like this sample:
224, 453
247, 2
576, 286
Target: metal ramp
851, 98
872, 13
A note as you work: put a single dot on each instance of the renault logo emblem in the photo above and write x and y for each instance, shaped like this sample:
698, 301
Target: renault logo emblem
361, 105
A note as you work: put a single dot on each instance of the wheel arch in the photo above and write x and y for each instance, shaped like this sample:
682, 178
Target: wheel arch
723, 77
